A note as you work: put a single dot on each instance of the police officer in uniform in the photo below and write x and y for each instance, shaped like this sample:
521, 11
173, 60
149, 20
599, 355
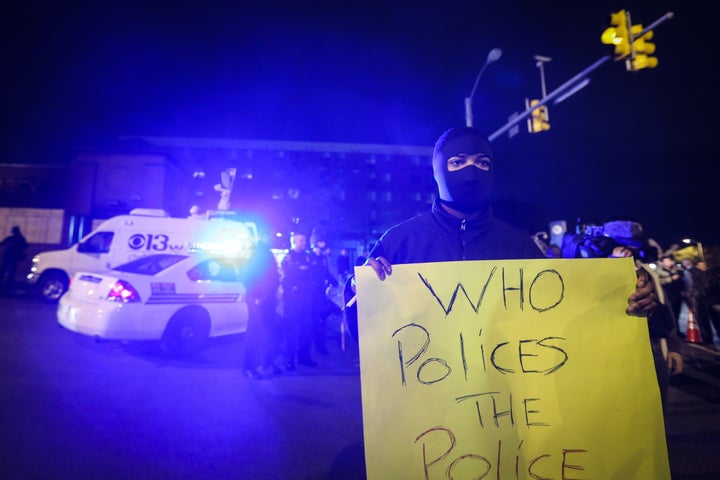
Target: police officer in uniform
298, 312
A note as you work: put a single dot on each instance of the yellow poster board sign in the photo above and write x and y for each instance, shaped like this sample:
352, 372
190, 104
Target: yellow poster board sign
517, 369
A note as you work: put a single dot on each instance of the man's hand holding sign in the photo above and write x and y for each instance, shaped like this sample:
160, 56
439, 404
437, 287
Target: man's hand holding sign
479, 360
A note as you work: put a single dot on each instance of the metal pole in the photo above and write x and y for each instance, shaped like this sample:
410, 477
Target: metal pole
522, 116
493, 56
667, 16
541, 65
552, 95
468, 112
468, 99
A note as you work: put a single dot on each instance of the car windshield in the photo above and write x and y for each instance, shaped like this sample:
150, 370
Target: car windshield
151, 264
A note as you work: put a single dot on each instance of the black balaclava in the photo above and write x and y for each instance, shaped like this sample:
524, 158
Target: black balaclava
467, 189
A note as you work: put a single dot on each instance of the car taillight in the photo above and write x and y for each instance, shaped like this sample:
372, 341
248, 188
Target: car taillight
122, 291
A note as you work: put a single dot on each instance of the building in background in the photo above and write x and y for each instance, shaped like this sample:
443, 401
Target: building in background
347, 193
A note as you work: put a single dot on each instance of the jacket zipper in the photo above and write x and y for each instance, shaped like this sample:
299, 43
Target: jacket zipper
462, 237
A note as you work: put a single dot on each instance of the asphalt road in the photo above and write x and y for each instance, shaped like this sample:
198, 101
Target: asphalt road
73, 408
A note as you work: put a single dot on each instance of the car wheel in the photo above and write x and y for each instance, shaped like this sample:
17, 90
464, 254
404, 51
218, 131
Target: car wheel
52, 286
187, 332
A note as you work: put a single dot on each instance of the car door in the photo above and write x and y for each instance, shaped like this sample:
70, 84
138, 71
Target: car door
221, 293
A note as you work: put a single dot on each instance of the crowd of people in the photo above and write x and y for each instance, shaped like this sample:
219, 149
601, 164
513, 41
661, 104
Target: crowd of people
461, 226
288, 306
685, 282
691, 282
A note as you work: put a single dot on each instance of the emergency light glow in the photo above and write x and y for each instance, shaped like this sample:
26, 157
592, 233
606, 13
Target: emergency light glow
235, 239
231, 247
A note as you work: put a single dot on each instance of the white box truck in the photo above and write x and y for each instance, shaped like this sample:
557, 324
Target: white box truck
126, 237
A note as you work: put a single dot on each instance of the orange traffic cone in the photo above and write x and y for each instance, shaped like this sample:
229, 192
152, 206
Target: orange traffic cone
693, 332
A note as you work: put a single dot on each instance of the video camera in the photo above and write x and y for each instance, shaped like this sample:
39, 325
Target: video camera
598, 241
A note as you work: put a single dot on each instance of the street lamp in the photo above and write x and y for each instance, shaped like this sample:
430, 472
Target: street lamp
493, 56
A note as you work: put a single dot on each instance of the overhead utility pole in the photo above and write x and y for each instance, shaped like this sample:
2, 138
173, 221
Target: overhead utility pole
630, 44
555, 93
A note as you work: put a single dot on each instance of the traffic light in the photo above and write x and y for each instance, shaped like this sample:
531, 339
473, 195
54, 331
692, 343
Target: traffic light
642, 49
618, 33
629, 42
540, 118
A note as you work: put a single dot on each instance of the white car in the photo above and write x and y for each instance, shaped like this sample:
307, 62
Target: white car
181, 300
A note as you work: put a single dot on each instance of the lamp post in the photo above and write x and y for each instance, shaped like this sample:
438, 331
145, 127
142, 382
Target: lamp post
493, 56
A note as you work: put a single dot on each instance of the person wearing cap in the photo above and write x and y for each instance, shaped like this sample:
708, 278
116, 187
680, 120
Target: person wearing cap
461, 224
297, 285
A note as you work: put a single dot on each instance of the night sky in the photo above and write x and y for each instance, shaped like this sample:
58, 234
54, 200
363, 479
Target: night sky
636, 145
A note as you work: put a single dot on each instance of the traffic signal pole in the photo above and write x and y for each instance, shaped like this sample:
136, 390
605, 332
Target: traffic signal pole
493, 56
551, 96
576, 82
649, 28
667, 16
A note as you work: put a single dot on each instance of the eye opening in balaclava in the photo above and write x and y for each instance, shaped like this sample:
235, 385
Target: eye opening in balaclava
468, 188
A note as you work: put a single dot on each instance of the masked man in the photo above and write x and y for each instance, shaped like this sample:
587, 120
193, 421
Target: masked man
461, 224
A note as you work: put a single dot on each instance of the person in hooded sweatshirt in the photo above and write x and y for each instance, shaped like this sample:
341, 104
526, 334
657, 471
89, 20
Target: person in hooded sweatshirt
461, 225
